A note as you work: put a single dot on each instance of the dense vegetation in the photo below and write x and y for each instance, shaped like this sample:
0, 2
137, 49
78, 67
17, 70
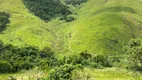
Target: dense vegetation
13, 59
4, 19
46, 9
87, 59
65, 72
134, 52
71, 67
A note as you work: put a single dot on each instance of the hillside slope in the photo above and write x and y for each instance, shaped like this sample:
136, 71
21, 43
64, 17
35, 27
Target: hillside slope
105, 28
24, 28
101, 26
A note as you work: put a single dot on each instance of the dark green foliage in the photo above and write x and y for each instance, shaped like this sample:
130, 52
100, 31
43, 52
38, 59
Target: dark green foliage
13, 59
87, 59
134, 51
46, 9
67, 18
97, 61
103, 60
65, 68
75, 2
4, 19
5, 66
63, 72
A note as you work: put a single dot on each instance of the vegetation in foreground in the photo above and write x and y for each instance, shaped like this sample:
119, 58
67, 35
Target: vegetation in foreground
15, 59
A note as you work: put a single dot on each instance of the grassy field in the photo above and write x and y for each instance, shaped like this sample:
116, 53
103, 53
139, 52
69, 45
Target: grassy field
24, 28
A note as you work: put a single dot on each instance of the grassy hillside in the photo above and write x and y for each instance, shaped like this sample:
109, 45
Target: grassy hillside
101, 29
24, 27
101, 26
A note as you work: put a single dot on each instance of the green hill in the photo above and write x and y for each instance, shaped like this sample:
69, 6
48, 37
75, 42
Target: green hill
101, 26
81, 30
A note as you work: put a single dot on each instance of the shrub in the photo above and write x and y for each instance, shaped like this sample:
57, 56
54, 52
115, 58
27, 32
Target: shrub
5, 67
67, 18
134, 51
4, 20
103, 60
14, 59
63, 72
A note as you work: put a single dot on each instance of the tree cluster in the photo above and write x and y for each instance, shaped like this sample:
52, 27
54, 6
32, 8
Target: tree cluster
46, 9
65, 72
90, 60
134, 52
13, 59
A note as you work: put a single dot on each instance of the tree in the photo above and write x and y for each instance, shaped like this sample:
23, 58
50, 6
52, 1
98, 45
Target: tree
5, 66
4, 20
134, 50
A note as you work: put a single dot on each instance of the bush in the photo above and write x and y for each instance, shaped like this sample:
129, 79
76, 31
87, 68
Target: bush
4, 20
5, 67
134, 51
103, 60
63, 72
87, 59
67, 18
14, 59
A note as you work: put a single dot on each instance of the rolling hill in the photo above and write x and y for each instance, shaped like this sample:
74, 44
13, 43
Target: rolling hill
101, 26
94, 28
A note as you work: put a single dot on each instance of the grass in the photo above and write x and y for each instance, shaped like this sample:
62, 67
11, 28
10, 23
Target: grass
24, 75
25, 28
94, 74
101, 27
98, 29
112, 74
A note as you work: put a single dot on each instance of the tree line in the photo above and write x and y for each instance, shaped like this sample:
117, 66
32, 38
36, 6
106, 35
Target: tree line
13, 59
